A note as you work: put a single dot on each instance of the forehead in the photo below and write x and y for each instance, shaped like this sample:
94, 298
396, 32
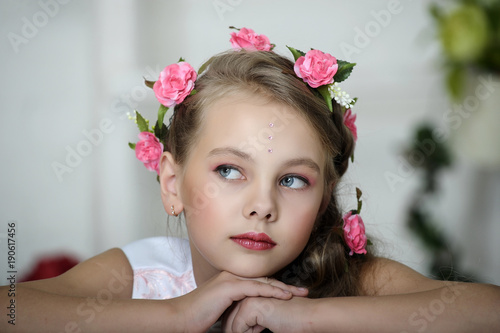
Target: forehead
260, 128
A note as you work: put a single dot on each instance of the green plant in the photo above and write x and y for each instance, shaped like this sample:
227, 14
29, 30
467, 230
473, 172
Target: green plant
469, 33
420, 219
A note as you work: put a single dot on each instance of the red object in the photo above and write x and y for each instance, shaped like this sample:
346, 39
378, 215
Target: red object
254, 241
48, 267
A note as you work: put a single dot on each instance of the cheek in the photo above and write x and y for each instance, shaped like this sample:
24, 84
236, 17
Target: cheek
204, 204
302, 213
196, 192
201, 189
202, 222
302, 222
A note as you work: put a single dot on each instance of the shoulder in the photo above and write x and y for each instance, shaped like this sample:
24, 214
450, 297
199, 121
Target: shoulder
169, 252
156, 243
113, 270
383, 276
161, 267
109, 270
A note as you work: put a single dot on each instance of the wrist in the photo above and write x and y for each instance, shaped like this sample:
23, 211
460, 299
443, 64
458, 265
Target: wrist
312, 315
324, 315
174, 307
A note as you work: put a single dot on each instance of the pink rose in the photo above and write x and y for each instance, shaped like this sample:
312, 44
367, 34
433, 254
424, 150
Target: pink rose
349, 121
316, 68
247, 39
354, 233
175, 83
148, 150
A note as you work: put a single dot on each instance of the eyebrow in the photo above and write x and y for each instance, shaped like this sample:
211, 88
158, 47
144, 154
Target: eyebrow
290, 163
303, 161
229, 151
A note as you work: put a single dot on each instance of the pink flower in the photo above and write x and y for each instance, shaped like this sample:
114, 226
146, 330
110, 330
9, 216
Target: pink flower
349, 121
148, 150
316, 68
354, 233
247, 39
175, 83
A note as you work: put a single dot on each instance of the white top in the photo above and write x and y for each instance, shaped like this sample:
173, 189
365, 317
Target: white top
162, 267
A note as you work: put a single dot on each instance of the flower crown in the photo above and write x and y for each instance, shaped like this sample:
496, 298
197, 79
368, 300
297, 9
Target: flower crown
320, 71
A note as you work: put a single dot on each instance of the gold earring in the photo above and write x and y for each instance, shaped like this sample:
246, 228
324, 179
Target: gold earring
172, 210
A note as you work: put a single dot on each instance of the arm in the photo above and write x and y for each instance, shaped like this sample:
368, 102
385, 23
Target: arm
95, 296
459, 307
396, 299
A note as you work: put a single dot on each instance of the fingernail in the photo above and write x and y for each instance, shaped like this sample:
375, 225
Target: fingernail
302, 289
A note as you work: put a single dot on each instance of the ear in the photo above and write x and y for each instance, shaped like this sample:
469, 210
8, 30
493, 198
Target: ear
169, 177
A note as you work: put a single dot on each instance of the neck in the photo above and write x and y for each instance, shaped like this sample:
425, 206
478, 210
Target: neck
202, 270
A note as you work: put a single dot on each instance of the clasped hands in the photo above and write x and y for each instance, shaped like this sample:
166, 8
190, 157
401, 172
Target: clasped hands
245, 305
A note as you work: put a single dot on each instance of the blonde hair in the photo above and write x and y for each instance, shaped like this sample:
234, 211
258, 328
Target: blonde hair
324, 265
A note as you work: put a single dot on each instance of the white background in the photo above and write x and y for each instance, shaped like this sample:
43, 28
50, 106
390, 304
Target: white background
75, 67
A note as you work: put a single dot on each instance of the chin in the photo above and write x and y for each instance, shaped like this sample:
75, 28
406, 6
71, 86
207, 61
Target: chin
251, 271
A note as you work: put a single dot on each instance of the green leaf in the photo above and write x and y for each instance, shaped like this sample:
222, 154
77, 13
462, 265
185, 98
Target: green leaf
234, 28
160, 131
161, 115
149, 84
160, 128
131, 145
343, 71
360, 204
181, 59
205, 65
369, 242
142, 124
358, 198
436, 12
296, 53
323, 90
455, 80
358, 193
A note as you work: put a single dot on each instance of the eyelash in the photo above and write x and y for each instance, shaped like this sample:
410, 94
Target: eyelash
225, 166
302, 179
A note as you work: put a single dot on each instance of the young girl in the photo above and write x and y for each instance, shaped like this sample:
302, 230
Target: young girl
252, 156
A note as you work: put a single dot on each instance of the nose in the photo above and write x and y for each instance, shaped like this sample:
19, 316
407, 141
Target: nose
261, 203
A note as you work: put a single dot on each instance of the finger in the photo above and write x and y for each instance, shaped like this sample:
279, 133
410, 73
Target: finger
247, 316
230, 324
257, 288
238, 288
296, 291
228, 316
237, 323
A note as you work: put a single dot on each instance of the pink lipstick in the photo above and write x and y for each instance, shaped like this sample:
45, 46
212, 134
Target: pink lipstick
254, 241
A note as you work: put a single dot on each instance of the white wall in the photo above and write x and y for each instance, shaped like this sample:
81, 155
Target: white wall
80, 70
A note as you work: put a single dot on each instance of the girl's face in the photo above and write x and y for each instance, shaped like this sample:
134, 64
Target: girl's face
251, 188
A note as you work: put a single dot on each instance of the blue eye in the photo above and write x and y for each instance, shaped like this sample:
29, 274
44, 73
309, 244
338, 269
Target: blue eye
229, 172
293, 182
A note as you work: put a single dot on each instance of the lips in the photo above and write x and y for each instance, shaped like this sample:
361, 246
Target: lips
254, 241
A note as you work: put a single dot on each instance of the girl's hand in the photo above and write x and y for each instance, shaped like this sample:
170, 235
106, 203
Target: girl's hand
202, 307
254, 314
